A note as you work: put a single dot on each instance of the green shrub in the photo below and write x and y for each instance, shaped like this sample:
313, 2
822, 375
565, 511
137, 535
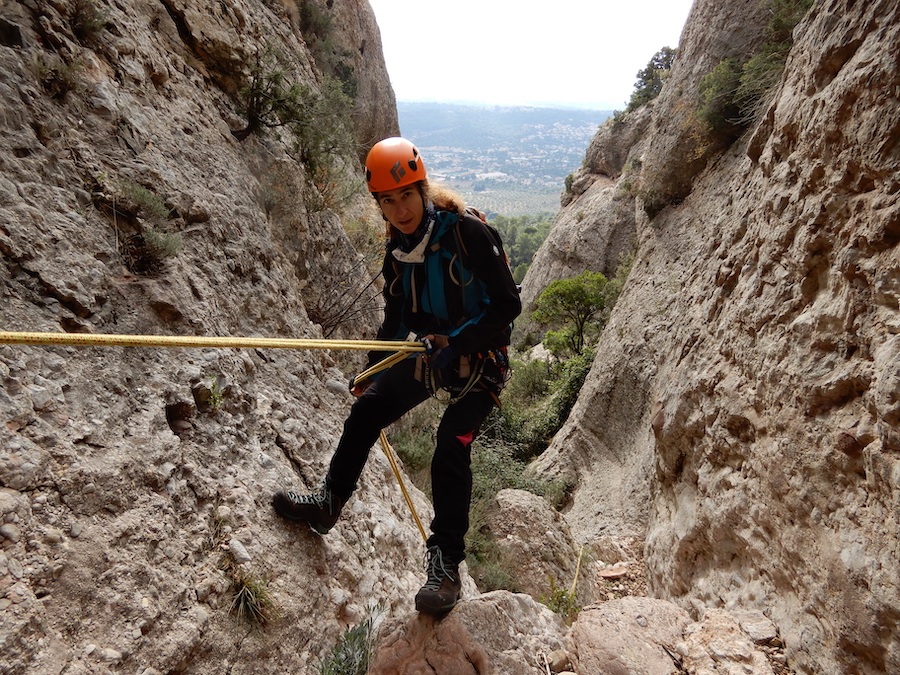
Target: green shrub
785, 15
87, 19
319, 120
519, 272
251, 599
353, 651
759, 75
161, 244
318, 123
318, 32
732, 93
145, 252
573, 374
574, 308
491, 571
562, 602
495, 467
718, 91
368, 241
332, 188
653, 201
56, 76
529, 383
325, 130
147, 203
527, 423
272, 98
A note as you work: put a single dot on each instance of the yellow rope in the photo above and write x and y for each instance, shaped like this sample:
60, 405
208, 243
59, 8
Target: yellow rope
577, 569
101, 339
402, 349
381, 365
389, 451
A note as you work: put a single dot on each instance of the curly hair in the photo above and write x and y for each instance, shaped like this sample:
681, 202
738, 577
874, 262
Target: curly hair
443, 197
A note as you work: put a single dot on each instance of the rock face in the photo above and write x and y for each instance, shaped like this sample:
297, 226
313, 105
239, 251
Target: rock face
358, 38
576, 243
518, 520
605, 638
135, 482
497, 632
748, 378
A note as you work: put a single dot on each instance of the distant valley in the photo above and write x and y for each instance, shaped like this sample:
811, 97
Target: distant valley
508, 161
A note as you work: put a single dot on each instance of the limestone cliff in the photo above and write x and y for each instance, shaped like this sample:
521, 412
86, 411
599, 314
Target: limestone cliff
743, 409
135, 483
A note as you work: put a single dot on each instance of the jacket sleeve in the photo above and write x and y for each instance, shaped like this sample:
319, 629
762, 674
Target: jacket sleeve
487, 260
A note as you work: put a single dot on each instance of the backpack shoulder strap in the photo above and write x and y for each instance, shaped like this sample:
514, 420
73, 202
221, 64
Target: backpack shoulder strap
471, 212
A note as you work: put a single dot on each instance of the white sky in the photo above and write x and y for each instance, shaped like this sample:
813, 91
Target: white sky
582, 53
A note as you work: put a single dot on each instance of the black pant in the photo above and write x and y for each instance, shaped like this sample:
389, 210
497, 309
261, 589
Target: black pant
393, 394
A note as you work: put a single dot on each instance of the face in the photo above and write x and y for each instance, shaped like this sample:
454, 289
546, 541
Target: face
404, 208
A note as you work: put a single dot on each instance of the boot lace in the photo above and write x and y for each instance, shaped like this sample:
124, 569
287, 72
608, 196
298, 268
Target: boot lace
436, 570
322, 499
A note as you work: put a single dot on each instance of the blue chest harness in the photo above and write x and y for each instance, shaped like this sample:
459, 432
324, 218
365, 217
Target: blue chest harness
440, 264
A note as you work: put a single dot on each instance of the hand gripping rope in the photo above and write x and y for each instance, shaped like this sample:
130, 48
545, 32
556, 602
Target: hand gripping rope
400, 348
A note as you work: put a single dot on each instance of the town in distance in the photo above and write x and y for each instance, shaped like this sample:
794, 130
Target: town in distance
505, 160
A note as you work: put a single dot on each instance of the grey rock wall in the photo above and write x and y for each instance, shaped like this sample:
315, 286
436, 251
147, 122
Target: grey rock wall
134, 482
742, 407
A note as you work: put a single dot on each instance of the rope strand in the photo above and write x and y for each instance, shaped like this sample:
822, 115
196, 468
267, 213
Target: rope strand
102, 339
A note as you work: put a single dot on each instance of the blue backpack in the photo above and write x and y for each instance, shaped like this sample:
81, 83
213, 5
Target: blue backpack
473, 290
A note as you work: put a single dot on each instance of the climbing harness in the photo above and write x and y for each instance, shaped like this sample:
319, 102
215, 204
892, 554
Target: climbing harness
488, 371
401, 349
434, 384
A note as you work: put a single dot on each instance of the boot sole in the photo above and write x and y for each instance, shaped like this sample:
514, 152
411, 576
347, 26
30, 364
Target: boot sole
320, 529
427, 608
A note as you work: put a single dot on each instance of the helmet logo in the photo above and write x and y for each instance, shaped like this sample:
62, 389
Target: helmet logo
398, 172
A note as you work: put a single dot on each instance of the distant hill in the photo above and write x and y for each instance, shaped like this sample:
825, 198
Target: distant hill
507, 160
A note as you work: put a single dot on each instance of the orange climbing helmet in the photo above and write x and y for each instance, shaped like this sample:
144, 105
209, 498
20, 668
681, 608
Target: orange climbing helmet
393, 163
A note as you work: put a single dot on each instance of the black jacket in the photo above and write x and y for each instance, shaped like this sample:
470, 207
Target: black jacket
474, 245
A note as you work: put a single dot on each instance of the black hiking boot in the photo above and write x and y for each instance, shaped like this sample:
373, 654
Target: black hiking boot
442, 589
320, 509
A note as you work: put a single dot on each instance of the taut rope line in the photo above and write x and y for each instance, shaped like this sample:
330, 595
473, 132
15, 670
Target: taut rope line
108, 340
389, 452
400, 348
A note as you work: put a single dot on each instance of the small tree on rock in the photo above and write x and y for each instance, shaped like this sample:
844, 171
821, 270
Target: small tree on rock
574, 309
650, 79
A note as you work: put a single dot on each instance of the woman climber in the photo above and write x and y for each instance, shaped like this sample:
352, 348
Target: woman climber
446, 280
